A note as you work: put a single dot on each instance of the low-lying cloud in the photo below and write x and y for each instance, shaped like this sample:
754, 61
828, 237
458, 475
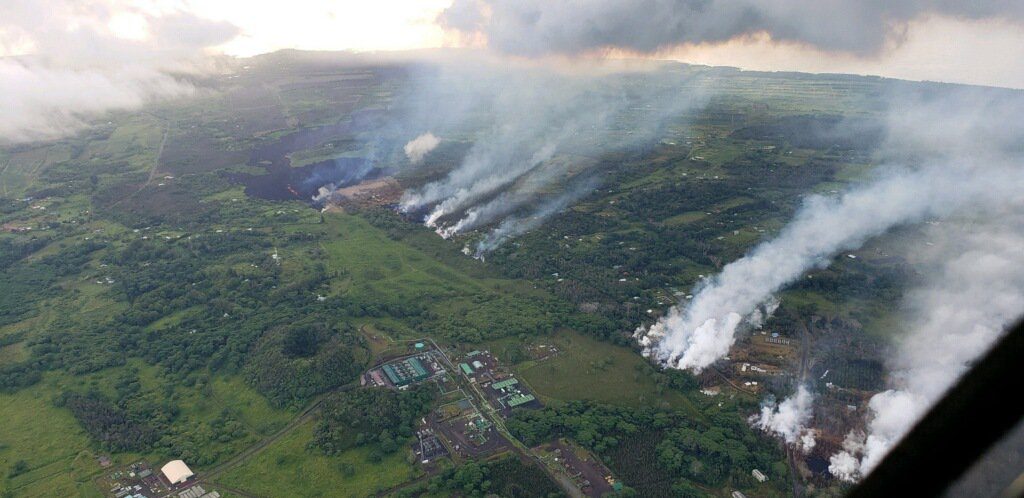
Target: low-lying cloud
72, 64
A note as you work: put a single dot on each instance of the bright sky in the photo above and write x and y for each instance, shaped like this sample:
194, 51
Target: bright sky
363, 25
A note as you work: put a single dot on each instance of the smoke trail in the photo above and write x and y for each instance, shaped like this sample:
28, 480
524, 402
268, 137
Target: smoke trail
419, 147
503, 204
533, 117
514, 226
970, 164
789, 419
463, 196
521, 193
977, 292
697, 334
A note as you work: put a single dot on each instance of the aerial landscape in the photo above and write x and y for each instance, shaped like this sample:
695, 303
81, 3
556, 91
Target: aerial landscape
494, 248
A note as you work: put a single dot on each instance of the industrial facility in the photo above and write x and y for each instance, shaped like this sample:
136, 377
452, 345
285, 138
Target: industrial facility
404, 372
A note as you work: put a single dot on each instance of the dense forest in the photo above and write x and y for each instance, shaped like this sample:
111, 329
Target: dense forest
691, 453
377, 417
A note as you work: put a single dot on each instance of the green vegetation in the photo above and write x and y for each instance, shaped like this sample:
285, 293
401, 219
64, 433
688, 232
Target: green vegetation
688, 453
153, 308
380, 418
589, 369
507, 477
289, 467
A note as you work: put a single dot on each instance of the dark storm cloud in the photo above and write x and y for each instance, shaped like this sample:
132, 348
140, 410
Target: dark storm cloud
539, 27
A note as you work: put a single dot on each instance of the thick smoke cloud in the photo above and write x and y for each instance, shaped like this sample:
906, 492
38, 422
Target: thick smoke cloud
76, 66
962, 157
534, 128
539, 27
976, 291
789, 419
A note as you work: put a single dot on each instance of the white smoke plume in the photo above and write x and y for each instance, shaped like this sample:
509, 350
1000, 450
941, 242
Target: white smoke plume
514, 226
789, 419
324, 193
419, 147
71, 65
530, 117
964, 163
485, 213
976, 292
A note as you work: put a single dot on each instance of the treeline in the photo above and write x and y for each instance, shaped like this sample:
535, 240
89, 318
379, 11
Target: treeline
377, 417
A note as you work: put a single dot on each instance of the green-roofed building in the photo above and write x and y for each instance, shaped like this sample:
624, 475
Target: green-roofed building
466, 369
405, 372
511, 381
520, 399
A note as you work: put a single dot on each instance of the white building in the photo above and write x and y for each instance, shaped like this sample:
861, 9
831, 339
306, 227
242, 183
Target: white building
759, 475
176, 471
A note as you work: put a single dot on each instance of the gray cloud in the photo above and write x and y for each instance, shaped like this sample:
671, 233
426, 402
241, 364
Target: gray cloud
538, 27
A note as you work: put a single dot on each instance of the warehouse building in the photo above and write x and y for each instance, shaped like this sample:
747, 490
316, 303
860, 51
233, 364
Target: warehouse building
176, 472
405, 372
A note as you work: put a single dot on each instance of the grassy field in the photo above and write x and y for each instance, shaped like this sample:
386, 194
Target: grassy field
49, 441
378, 264
590, 369
288, 468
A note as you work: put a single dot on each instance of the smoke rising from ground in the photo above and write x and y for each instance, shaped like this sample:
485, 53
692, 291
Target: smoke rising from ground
535, 127
963, 158
976, 292
537, 27
514, 226
76, 65
419, 147
789, 419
